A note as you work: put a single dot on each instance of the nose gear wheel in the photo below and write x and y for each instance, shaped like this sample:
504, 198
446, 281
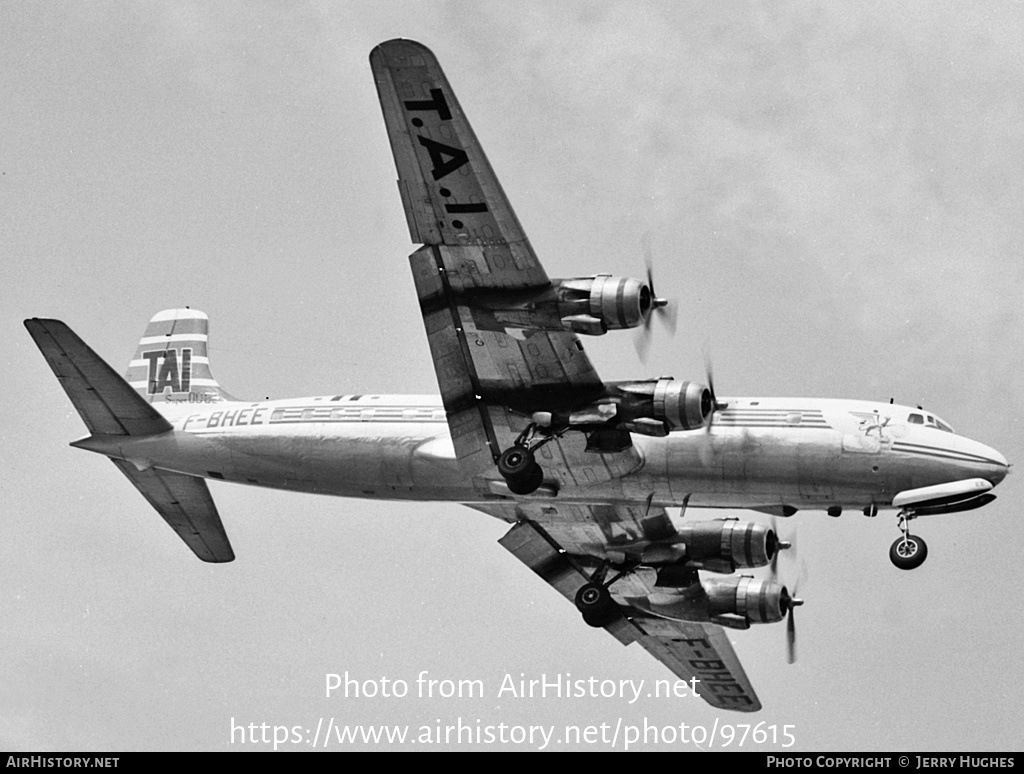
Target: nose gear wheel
909, 551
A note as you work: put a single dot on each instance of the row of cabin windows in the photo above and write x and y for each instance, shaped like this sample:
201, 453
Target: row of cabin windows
324, 414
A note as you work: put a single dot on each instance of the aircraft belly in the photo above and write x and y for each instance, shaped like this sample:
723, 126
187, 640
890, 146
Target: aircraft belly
373, 466
790, 467
366, 461
817, 460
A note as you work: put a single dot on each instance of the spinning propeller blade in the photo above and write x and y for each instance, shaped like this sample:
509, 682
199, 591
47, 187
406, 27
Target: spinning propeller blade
790, 603
667, 311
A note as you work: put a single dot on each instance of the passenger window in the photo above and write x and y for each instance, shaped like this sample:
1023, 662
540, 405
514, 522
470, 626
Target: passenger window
915, 419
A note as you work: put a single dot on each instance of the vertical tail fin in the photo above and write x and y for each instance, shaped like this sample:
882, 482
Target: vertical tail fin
172, 362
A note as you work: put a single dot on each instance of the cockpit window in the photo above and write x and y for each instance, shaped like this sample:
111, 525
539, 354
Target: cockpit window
929, 421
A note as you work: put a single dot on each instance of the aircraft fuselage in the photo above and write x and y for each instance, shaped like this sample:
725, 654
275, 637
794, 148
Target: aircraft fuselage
759, 452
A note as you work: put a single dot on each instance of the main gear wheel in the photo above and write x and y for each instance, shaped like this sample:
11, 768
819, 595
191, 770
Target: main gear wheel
595, 602
518, 466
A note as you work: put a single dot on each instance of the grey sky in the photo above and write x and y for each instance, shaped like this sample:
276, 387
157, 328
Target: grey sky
834, 197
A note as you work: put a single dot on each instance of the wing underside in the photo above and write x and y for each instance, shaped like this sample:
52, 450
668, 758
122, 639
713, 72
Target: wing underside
498, 354
690, 650
501, 353
450, 193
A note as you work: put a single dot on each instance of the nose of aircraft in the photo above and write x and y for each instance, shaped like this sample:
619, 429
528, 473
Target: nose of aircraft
991, 465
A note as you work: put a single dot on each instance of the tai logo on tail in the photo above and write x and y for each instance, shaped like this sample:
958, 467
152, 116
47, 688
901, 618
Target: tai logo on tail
172, 362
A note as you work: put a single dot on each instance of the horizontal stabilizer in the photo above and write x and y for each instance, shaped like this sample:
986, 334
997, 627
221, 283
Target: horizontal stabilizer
110, 406
107, 403
185, 503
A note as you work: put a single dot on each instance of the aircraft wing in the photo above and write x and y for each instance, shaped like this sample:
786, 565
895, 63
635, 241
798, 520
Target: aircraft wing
450, 193
495, 352
586, 533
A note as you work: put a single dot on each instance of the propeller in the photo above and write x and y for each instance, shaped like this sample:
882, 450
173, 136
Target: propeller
790, 603
706, 450
787, 601
716, 404
668, 312
780, 545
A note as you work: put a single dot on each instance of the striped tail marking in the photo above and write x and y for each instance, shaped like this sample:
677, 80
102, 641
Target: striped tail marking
172, 362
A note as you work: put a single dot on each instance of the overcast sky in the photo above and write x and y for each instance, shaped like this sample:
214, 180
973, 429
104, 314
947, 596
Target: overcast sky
833, 193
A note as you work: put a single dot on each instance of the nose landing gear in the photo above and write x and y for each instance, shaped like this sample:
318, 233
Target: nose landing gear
909, 551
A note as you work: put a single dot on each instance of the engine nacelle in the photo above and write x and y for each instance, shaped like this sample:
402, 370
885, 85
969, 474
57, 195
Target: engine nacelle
724, 546
680, 405
595, 305
751, 599
733, 602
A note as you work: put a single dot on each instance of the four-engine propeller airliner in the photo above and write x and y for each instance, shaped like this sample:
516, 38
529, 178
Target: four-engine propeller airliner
524, 428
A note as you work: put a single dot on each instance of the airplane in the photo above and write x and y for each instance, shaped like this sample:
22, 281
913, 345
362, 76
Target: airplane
525, 430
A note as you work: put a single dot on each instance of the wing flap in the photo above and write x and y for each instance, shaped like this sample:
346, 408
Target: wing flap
185, 504
538, 552
107, 403
483, 369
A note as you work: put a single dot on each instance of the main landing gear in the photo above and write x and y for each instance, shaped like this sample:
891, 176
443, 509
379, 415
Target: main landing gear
518, 465
595, 602
909, 551
520, 470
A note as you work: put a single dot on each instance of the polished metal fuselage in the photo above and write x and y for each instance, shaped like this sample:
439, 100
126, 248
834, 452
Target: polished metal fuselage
758, 453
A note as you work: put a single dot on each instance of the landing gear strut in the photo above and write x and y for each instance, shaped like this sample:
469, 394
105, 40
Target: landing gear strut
518, 465
909, 551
